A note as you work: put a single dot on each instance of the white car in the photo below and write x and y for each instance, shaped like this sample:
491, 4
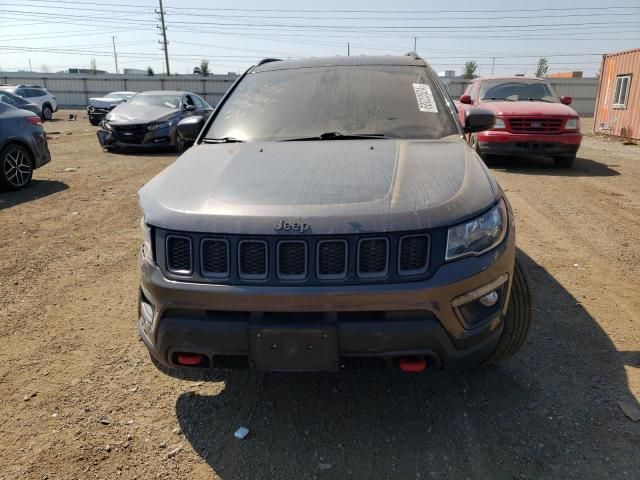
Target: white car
99, 107
38, 95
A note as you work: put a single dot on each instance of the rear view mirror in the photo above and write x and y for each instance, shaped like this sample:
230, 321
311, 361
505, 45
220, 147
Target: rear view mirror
190, 127
566, 100
466, 99
478, 120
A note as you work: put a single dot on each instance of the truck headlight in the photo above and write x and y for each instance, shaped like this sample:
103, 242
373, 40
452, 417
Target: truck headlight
499, 123
147, 245
478, 235
572, 124
158, 126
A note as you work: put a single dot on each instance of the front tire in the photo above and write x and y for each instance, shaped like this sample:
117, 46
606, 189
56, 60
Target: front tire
47, 112
473, 142
16, 167
517, 321
565, 161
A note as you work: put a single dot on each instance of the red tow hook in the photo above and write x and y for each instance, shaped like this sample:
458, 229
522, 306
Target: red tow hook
190, 359
413, 364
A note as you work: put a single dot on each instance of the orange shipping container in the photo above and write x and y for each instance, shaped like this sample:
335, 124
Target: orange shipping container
618, 103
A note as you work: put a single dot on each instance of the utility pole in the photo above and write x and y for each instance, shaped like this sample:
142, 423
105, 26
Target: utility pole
348, 49
115, 55
164, 37
493, 64
415, 44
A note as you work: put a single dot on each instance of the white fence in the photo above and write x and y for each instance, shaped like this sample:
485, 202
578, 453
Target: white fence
75, 90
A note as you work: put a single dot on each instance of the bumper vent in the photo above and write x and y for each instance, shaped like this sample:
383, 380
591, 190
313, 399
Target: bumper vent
292, 260
373, 257
414, 255
215, 258
179, 256
252, 261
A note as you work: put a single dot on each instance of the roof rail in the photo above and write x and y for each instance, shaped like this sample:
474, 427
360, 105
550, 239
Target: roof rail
268, 60
413, 55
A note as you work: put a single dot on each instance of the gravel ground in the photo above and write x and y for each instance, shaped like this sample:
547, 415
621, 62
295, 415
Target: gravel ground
79, 398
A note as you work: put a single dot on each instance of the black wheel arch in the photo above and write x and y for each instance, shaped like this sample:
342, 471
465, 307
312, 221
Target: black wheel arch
18, 141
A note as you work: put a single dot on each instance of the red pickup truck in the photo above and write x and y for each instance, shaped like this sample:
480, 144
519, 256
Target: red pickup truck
530, 119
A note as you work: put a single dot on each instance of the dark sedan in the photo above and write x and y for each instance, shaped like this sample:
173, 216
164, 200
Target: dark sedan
23, 146
150, 120
19, 102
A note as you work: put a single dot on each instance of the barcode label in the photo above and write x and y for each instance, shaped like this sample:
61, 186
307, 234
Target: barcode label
426, 103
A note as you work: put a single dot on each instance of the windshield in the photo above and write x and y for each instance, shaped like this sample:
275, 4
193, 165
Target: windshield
126, 96
516, 90
390, 101
169, 101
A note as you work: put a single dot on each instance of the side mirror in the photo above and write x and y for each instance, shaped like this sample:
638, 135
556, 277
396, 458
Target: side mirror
189, 108
566, 100
478, 120
190, 127
466, 99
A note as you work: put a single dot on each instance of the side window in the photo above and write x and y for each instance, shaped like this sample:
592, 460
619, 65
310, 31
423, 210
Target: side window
188, 100
621, 94
34, 92
200, 103
22, 92
467, 91
7, 99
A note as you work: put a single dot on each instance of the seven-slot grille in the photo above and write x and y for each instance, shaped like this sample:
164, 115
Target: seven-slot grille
535, 125
179, 257
235, 259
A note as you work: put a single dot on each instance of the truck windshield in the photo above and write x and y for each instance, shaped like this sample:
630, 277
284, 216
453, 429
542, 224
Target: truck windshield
340, 102
516, 90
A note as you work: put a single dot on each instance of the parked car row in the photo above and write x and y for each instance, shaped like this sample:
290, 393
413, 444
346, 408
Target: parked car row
35, 95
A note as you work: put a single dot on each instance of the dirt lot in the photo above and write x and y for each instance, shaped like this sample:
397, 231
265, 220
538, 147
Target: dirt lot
79, 397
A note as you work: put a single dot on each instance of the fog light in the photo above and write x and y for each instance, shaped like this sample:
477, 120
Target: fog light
490, 299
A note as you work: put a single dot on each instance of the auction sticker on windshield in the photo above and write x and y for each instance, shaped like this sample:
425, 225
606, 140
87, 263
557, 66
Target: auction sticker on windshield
426, 103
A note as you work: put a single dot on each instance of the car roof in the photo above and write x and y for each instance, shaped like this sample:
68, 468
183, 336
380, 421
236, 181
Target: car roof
339, 61
165, 92
510, 78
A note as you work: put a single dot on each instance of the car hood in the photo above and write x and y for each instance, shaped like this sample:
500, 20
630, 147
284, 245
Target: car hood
529, 108
336, 187
105, 101
128, 113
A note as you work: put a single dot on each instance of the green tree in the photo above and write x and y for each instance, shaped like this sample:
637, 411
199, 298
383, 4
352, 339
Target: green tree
204, 68
150, 72
543, 67
470, 69
92, 66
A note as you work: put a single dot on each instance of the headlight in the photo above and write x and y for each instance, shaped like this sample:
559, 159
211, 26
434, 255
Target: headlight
158, 126
572, 124
147, 246
478, 235
499, 123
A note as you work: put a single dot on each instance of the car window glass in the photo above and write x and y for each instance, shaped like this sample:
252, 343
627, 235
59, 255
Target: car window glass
188, 100
199, 102
394, 101
156, 100
7, 99
22, 92
516, 90
474, 91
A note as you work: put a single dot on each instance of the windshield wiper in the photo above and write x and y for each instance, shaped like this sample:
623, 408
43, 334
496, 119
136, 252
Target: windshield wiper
541, 100
223, 140
337, 136
498, 98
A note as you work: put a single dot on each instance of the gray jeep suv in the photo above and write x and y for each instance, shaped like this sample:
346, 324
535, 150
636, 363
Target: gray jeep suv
330, 215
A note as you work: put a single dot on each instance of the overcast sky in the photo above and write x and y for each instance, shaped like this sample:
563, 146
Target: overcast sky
506, 36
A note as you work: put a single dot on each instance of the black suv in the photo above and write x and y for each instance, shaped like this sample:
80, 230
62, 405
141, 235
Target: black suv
331, 215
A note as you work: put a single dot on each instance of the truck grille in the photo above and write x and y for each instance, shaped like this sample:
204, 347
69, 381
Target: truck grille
535, 125
351, 259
